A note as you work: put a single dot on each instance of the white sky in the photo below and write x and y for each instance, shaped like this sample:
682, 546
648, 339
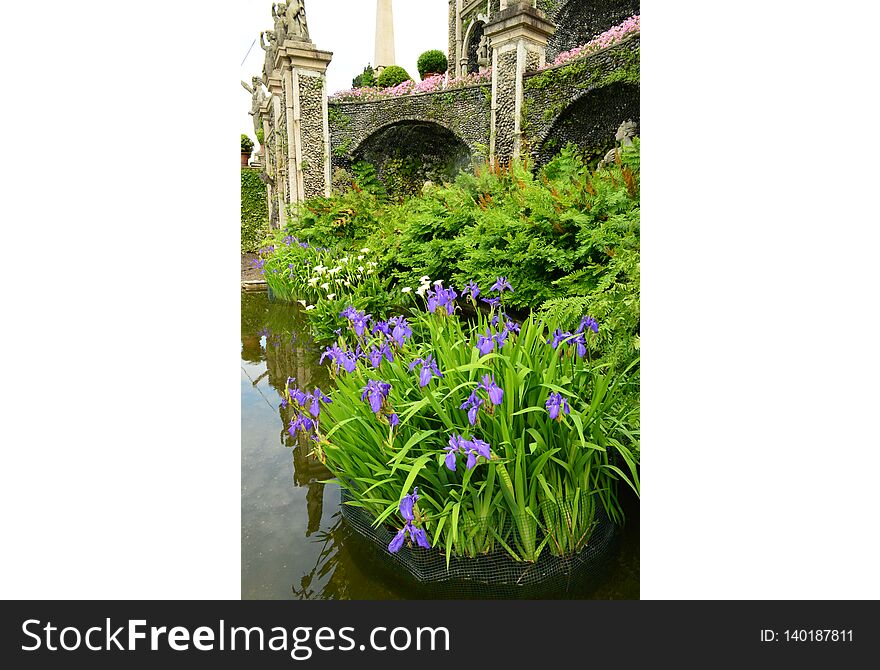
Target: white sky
347, 28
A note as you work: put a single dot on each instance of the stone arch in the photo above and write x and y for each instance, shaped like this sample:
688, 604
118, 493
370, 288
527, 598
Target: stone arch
590, 121
408, 152
470, 45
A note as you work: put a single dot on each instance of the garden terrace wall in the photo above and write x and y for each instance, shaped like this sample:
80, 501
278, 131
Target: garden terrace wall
583, 101
578, 21
464, 112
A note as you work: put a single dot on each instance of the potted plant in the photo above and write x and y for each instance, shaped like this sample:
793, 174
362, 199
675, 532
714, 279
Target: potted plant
432, 63
247, 147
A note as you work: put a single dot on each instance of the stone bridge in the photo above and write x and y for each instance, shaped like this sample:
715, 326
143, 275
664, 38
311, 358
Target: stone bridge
526, 110
582, 102
441, 127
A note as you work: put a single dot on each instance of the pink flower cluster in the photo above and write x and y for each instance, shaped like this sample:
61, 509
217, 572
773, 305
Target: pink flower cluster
609, 38
438, 82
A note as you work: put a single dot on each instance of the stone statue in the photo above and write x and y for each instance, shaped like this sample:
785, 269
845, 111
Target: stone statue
257, 100
296, 20
269, 43
279, 15
483, 59
625, 134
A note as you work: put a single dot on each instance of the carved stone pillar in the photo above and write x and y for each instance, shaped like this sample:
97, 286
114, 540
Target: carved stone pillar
518, 36
269, 164
280, 191
303, 69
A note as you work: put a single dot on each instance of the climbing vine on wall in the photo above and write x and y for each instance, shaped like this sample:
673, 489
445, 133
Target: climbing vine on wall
254, 210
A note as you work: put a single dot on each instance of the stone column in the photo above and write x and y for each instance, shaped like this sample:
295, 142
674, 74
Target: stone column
279, 148
267, 114
385, 54
303, 71
518, 35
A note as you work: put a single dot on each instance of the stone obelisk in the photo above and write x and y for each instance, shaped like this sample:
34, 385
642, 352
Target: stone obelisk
384, 35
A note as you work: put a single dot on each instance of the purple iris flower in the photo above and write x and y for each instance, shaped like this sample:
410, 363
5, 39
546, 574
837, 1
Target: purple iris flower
472, 405
376, 392
304, 245
501, 338
333, 352
360, 321
588, 323
455, 445
555, 403
441, 298
375, 357
496, 393
492, 302
348, 361
481, 448
382, 327
348, 313
406, 504
417, 535
512, 326
317, 397
471, 448
299, 396
581, 344
429, 370
395, 544
393, 419
401, 331
471, 290
485, 343
558, 337
301, 422
501, 284
288, 240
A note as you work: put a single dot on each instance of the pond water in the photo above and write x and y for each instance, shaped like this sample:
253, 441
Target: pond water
294, 542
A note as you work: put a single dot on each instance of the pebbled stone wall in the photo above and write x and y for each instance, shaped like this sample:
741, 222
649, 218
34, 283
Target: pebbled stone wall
464, 112
311, 101
583, 101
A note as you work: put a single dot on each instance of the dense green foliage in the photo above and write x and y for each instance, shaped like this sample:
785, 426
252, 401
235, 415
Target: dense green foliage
432, 62
525, 480
392, 76
254, 210
365, 78
566, 237
261, 136
247, 144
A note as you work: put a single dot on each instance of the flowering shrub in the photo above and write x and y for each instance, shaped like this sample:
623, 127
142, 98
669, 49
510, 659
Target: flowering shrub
322, 281
433, 84
609, 38
470, 438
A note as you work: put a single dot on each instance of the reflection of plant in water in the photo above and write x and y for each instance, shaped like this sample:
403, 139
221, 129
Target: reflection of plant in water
328, 566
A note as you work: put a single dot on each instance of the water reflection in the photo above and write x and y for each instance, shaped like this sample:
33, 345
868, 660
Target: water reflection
295, 543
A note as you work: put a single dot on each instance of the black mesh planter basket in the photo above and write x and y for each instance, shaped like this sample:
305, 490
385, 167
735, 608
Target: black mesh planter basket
423, 572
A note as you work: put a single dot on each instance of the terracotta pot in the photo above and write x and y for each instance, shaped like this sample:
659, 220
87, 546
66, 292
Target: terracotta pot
245, 157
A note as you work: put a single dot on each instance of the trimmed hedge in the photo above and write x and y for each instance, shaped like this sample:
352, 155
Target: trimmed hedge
392, 76
254, 210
